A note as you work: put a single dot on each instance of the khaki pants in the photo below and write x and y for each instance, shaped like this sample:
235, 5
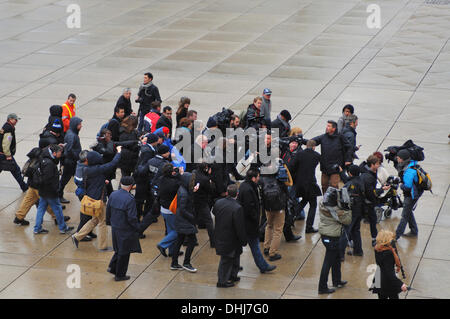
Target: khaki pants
334, 180
90, 225
31, 198
274, 230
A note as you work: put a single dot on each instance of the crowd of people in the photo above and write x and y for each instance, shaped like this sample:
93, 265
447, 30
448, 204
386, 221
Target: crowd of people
236, 207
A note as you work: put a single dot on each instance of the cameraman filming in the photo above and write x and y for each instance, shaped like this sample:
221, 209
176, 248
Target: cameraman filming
411, 193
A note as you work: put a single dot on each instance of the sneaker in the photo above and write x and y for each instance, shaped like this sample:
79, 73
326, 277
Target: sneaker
62, 200
340, 284
162, 250
21, 222
67, 230
176, 267
270, 268
75, 241
189, 268
275, 257
41, 231
311, 230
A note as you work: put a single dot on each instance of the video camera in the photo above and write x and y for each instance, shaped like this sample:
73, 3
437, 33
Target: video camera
223, 119
393, 181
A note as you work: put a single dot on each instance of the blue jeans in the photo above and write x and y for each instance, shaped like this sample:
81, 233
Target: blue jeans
407, 217
171, 237
260, 262
57, 209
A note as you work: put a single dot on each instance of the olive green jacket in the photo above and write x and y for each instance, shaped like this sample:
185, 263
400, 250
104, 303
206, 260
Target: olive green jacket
328, 225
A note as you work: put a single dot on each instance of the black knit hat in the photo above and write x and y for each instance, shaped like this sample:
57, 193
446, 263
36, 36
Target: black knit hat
286, 115
163, 149
127, 181
404, 154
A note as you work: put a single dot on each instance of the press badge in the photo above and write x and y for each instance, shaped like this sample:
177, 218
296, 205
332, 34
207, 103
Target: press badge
326, 241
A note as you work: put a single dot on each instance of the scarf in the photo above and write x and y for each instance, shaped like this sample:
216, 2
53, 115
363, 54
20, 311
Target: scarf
145, 86
403, 166
380, 248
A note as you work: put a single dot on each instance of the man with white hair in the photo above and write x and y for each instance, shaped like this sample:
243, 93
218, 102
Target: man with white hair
125, 101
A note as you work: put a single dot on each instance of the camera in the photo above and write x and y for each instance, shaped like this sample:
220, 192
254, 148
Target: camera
393, 181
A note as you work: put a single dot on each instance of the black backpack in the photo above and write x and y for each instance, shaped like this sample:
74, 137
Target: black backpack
32, 163
37, 177
272, 194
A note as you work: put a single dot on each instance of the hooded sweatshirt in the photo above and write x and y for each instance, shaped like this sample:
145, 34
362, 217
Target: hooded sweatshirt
73, 147
96, 173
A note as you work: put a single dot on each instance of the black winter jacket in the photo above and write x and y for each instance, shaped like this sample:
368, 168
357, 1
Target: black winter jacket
390, 284
126, 103
50, 175
303, 170
185, 217
146, 97
114, 127
164, 122
350, 134
130, 152
46, 138
168, 188
248, 197
335, 149
229, 231
96, 173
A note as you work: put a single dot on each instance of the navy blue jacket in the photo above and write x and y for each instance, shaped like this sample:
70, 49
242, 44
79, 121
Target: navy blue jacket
121, 214
73, 148
96, 173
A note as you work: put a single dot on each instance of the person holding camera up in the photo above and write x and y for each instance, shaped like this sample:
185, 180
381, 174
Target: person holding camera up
335, 151
411, 193
386, 284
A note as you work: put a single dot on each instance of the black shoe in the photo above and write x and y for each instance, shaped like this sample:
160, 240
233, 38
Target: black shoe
351, 253
225, 285
92, 235
42, 231
311, 230
327, 291
270, 268
180, 253
410, 234
235, 279
121, 278
340, 284
266, 251
176, 267
21, 222
67, 230
162, 250
110, 271
189, 268
107, 249
87, 238
275, 257
62, 200
293, 238
141, 236
75, 241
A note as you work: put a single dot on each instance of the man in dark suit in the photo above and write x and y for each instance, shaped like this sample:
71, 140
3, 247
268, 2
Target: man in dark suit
121, 215
303, 170
229, 236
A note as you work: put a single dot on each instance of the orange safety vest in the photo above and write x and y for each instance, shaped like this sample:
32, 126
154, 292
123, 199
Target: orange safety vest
66, 116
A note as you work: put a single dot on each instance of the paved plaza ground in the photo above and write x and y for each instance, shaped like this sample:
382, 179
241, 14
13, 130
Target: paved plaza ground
315, 55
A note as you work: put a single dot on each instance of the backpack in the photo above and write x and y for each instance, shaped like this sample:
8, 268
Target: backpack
104, 126
223, 119
37, 177
272, 194
414, 150
424, 182
32, 163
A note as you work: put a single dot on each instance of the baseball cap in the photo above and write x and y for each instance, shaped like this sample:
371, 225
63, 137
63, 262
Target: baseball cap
267, 92
13, 116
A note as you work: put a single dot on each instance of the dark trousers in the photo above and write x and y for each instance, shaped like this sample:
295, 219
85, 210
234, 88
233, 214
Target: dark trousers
355, 230
203, 215
407, 217
119, 264
143, 206
68, 173
312, 201
344, 240
388, 296
372, 216
16, 173
109, 188
141, 116
191, 239
228, 267
331, 261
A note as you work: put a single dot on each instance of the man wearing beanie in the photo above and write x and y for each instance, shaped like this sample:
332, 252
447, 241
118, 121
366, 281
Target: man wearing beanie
121, 215
52, 135
355, 187
282, 123
411, 193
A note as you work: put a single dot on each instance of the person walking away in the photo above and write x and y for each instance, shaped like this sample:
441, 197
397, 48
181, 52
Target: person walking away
71, 153
47, 181
68, 111
185, 222
148, 93
94, 179
332, 217
8, 150
411, 192
249, 199
335, 152
386, 284
230, 236
129, 139
125, 228
201, 200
